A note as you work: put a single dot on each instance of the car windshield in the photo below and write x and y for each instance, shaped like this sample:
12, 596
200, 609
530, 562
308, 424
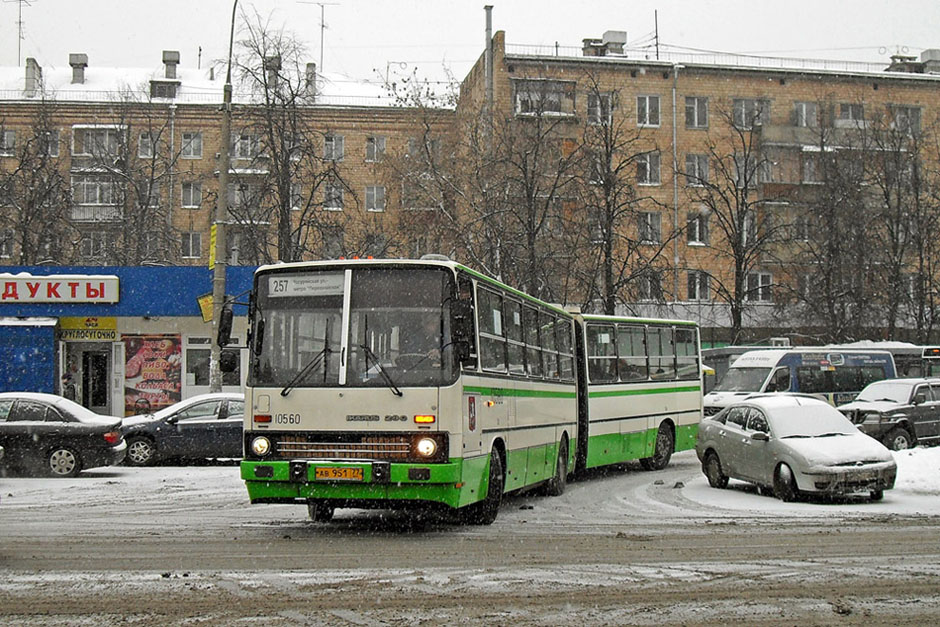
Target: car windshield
886, 391
813, 420
743, 380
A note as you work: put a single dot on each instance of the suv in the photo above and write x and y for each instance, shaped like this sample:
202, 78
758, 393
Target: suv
899, 412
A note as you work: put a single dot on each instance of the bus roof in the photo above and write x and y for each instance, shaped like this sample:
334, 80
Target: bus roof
603, 318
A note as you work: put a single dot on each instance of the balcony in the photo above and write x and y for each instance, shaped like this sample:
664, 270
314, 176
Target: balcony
96, 213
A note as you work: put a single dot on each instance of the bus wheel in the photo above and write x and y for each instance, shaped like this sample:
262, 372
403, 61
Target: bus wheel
484, 512
556, 485
319, 511
665, 444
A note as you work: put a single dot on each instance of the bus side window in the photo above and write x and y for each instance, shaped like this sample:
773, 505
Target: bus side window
780, 381
602, 353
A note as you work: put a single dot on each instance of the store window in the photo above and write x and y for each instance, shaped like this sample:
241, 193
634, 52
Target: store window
198, 350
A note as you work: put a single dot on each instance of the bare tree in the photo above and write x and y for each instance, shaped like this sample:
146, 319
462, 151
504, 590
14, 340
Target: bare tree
743, 227
34, 194
625, 250
286, 170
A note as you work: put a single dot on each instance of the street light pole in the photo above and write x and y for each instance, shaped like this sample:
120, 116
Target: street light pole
221, 216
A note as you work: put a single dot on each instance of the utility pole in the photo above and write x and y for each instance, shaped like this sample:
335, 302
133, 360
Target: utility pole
221, 216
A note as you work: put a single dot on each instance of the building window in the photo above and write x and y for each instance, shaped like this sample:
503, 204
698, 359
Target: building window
650, 286
7, 142
375, 198
145, 145
192, 195
809, 173
698, 285
647, 169
375, 148
697, 228
851, 111
93, 189
333, 197
242, 195
6, 193
805, 114
696, 112
650, 227
96, 142
333, 147
598, 108
191, 245
750, 112
245, 146
296, 196
544, 97
906, 119
49, 143
6, 243
192, 146
647, 110
93, 245
198, 350
696, 170
758, 287
801, 228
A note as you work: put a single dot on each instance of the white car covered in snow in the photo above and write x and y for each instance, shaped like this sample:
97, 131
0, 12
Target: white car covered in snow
792, 445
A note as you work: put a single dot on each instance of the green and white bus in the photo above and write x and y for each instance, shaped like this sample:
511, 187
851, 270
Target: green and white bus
389, 383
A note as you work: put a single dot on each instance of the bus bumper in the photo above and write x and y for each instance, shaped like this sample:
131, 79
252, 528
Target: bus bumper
455, 483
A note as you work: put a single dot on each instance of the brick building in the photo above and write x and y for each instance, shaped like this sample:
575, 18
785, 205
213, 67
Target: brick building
724, 163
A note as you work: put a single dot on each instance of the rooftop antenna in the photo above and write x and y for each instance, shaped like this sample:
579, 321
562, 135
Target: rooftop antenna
19, 24
323, 6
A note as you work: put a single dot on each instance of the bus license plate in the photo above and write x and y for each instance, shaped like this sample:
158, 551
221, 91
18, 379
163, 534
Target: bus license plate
330, 473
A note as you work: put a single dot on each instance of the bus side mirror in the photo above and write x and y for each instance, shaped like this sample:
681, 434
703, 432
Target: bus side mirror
461, 315
228, 360
225, 325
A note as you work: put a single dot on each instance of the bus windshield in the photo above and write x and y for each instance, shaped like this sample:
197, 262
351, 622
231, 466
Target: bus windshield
397, 319
742, 380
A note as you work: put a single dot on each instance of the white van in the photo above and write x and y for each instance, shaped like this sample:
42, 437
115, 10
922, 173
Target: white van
836, 375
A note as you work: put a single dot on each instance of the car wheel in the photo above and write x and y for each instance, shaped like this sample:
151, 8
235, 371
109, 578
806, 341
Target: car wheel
484, 512
318, 511
785, 484
899, 439
64, 462
140, 451
877, 495
665, 444
556, 485
711, 466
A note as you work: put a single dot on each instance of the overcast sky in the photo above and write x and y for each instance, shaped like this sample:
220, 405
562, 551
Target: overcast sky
364, 37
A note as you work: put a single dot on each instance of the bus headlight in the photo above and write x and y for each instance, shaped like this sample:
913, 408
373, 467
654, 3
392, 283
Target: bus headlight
426, 447
261, 446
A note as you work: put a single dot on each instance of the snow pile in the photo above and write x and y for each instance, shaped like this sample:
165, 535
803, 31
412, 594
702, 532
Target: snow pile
918, 470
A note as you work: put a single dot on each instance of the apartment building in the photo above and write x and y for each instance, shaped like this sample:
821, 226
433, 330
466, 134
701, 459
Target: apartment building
734, 162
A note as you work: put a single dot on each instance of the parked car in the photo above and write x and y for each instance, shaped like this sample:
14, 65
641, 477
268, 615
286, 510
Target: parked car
55, 435
899, 412
204, 426
792, 445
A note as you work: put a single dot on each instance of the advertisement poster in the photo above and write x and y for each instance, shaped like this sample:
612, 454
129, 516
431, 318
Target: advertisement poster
152, 378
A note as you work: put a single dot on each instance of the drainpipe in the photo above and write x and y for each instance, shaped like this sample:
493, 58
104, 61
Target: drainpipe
675, 182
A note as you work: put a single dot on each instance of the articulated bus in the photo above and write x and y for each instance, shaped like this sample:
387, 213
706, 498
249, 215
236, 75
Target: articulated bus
389, 383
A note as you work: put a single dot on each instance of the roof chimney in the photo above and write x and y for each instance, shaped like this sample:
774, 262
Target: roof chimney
78, 61
615, 40
930, 58
272, 65
311, 78
171, 59
33, 77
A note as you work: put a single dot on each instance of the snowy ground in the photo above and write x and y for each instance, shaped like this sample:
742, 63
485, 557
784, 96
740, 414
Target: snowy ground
171, 545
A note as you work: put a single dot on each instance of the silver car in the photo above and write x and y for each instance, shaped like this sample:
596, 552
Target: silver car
792, 445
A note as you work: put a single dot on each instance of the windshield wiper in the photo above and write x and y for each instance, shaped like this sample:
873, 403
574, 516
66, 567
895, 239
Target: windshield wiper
385, 376
829, 435
313, 363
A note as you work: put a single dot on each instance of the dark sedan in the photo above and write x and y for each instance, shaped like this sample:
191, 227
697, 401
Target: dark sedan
204, 426
58, 436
